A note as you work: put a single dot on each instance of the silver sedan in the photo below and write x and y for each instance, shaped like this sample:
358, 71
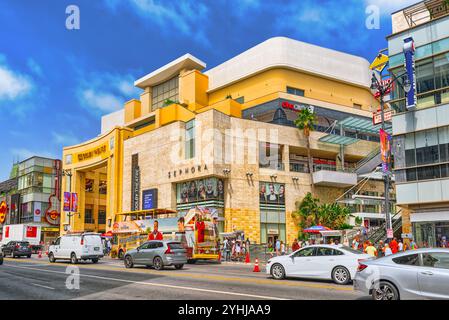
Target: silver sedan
415, 274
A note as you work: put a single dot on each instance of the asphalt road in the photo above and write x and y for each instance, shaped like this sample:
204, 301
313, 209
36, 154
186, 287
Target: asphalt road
37, 279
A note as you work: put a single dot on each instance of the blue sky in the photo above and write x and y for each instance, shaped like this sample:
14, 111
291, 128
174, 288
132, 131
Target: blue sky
56, 83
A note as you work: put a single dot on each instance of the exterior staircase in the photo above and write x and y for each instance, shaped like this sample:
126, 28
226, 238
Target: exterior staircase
369, 163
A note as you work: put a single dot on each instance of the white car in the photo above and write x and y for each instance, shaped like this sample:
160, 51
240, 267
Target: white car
75, 247
329, 262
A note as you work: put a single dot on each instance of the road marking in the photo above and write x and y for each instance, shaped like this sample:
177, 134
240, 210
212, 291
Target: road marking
39, 285
162, 285
252, 280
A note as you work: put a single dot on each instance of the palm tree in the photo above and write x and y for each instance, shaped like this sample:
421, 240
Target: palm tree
305, 122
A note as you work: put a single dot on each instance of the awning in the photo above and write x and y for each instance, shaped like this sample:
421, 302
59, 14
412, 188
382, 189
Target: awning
363, 125
331, 233
340, 140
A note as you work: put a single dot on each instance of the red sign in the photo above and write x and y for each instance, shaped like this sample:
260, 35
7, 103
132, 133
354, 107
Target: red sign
31, 232
7, 232
384, 84
377, 116
296, 107
37, 212
3, 211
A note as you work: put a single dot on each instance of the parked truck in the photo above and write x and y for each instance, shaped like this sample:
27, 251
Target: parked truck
23, 232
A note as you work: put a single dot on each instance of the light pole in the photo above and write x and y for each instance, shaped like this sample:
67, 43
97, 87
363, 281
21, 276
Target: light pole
383, 89
68, 173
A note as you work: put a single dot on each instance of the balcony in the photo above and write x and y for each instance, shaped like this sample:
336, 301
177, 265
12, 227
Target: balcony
331, 176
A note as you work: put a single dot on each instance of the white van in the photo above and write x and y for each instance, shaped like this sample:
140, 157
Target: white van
75, 247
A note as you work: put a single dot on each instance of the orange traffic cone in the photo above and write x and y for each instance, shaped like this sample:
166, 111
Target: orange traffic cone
247, 260
256, 266
219, 256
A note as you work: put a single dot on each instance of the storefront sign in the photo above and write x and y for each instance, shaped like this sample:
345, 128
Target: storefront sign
272, 231
186, 171
377, 116
296, 107
149, 199
3, 211
31, 232
95, 152
409, 52
37, 212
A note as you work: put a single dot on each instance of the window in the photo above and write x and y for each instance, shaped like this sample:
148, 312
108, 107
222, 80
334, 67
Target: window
270, 156
306, 252
88, 216
89, 186
426, 143
68, 159
295, 91
438, 260
165, 91
424, 74
410, 158
441, 64
102, 215
190, 140
321, 251
103, 187
57, 242
146, 245
240, 100
428, 173
410, 260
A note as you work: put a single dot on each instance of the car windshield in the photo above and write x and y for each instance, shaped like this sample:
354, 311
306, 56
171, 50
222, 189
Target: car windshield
350, 250
23, 244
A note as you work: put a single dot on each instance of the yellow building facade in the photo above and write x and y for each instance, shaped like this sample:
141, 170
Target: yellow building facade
225, 139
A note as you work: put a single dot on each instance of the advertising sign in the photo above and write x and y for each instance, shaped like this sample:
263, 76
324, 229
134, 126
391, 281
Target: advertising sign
272, 193
74, 202
31, 232
385, 148
3, 211
377, 116
37, 212
67, 200
409, 52
390, 233
200, 190
149, 199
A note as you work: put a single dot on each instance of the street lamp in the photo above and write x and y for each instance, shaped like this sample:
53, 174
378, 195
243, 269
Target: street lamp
68, 173
383, 89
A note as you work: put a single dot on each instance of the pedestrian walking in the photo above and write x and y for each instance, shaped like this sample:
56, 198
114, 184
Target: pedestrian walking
400, 246
282, 248
278, 247
371, 250
387, 250
413, 245
380, 249
394, 245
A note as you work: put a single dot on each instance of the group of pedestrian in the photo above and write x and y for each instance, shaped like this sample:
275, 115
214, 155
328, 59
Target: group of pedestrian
234, 249
384, 249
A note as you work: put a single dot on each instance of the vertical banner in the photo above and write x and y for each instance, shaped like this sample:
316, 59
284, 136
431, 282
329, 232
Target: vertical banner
67, 200
135, 183
7, 232
385, 148
409, 53
37, 212
74, 202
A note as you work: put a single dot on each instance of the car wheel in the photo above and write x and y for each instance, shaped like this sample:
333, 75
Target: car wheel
179, 266
94, 260
385, 291
158, 264
51, 257
277, 271
129, 262
341, 275
73, 259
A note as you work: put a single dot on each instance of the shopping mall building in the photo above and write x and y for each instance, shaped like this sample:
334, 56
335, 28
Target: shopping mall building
225, 138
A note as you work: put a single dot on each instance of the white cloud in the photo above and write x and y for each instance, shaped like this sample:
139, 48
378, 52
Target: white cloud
66, 139
105, 92
13, 84
24, 153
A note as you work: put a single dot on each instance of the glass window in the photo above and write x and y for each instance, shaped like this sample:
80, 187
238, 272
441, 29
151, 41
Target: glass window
322, 251
428, 173
443, 136
410, 260
426, 143
89, 185
295, 91
425, 76
306, 252
410, 159
168, 90
103, 187
442, 71
88, 215
102, 215
240, 100
270, 156
411, 174
436, 260
190, 140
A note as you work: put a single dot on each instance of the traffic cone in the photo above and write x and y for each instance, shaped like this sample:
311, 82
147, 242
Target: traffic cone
247, 260
256, 266
219, 256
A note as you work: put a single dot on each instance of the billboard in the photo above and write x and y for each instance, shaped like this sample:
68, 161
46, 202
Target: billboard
149, 199
409, 53
200, 190
271, 193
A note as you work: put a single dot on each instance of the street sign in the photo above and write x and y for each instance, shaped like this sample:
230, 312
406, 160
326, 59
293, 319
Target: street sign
407, 235
385, 84
377, 116
390, 233
379, 63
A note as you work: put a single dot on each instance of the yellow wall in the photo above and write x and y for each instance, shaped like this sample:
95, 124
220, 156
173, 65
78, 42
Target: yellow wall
277, 80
